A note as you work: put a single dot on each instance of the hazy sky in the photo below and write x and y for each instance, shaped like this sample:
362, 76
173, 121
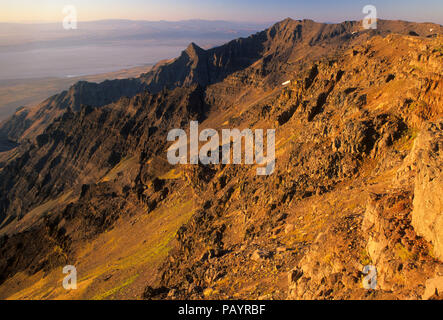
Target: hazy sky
241, 10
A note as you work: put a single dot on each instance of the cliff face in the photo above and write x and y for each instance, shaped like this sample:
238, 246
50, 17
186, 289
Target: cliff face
80, 147
358, 139
427, 216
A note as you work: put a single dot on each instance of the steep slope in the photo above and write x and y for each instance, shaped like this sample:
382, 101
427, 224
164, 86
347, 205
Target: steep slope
335, 203
94, 188
80, 147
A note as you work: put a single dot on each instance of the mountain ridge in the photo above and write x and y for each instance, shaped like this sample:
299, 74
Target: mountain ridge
202, 66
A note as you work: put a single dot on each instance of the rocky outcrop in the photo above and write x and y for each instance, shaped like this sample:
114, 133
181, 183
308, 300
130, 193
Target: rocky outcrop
427, 157
98, 139
400, 255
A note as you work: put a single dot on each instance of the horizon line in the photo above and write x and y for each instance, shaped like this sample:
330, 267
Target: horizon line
30, 22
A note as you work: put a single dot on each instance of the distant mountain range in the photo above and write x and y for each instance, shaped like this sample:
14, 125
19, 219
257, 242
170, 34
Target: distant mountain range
19, 36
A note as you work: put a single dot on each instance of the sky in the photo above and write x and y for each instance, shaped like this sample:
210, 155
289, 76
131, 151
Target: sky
231, 10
